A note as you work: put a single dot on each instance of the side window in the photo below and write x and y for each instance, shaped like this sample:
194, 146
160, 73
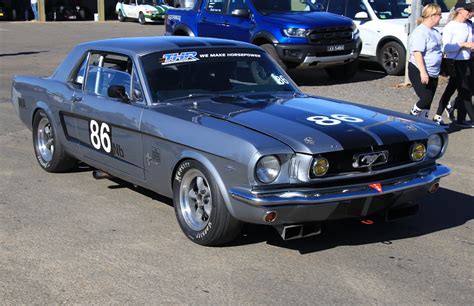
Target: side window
237, 4
216, 6
354, 7
322, 3
77, 78
337, 7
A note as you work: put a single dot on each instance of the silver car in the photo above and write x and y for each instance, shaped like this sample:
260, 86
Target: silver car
221, 128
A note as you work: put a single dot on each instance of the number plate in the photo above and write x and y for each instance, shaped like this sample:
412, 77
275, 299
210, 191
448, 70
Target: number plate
335, 48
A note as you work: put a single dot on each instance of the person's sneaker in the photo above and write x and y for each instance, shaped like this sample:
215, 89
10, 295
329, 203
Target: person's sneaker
450, 112
415, 111
439, 120
464, 124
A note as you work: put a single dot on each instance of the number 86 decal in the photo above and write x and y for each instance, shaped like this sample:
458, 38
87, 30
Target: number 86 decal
100, 137
334, 120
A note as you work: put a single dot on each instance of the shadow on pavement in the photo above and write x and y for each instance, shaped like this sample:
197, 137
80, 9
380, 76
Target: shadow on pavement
22, 53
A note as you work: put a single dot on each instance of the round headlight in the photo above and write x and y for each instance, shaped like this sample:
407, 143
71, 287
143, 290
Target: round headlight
417, 152
268, 169
435, 145
320, 166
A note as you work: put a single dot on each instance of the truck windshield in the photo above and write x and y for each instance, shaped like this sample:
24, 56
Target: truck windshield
286, 6
394, 9
179, 73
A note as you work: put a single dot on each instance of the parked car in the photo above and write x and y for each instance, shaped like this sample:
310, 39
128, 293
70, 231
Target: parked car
220, 128
294, 33
382, 25
181, 3
66, 10
6, 12
142, 10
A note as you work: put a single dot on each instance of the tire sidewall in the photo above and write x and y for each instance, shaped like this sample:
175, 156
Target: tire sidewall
205, 235
44, 164
141, 18
120, 16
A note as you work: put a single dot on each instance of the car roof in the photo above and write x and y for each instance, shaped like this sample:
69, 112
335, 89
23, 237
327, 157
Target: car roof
145, 45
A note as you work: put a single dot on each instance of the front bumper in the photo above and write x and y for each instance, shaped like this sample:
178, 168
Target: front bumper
308, 55
350, 201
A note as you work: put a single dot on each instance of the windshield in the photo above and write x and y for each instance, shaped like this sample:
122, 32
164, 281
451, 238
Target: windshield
180, 74
286, 6
393, 9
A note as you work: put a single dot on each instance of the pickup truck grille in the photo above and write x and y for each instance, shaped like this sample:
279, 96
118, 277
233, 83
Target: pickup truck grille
330, 36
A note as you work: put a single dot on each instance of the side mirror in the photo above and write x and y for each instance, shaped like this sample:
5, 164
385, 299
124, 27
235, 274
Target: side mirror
117, 92
242, 13
361, 16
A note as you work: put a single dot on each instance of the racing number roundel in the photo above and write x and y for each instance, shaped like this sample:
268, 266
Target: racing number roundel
100, 136
334, 119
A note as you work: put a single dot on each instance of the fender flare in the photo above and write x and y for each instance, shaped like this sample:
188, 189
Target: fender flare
263, 35
184, 28
188, 154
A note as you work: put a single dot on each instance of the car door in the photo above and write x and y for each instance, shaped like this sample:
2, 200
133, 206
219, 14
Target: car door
210, 22
239, 26
108, 118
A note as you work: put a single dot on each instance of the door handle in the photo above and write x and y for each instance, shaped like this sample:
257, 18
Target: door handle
76, 99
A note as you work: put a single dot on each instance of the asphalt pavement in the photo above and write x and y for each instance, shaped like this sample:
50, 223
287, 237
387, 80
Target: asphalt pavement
67, 238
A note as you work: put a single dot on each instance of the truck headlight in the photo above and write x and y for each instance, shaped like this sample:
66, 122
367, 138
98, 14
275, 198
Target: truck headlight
267, 169
355, 31
295, 32
417, 152
435, 144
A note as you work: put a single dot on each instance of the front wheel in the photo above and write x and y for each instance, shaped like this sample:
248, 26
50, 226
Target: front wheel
141, 18
200, 208
392, 58
120, 16
49, 150
343, 72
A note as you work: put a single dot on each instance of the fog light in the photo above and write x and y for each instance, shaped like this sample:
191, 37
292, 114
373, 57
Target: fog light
320, 166
417, 152
269, 216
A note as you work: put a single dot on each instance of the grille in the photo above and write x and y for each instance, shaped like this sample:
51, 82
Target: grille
341, 162
330, 36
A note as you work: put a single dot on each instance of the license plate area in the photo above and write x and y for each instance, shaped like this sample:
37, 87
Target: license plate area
335, 48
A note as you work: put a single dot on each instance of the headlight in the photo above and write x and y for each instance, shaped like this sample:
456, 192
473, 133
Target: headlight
435, 144
267, 169
295, 32
355, 31
417, 152
320, 166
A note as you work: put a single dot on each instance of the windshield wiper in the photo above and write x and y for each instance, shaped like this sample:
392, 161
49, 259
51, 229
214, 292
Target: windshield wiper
192, 96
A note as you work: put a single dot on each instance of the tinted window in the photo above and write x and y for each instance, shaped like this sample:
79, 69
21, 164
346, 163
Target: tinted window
354, 7
232, 71
216, 6
337, 6
278, 6
237, 4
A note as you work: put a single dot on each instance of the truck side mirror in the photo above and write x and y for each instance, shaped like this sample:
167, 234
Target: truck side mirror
361, 16
117, 92
242, 13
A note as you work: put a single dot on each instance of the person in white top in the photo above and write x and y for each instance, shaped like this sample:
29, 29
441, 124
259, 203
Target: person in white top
34, 7
457, 45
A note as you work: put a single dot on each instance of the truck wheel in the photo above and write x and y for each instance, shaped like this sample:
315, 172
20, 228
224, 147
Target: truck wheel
270, 49
141, 18
48, 148
200, 208
392, 58
120, 16
343, 72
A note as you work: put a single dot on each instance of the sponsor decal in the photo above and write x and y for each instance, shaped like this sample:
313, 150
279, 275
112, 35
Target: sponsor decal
376, 186
176, 58
174, 17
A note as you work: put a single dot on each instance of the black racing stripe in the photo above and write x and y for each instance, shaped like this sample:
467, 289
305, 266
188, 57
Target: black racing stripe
348, 136
183, 43
389, 134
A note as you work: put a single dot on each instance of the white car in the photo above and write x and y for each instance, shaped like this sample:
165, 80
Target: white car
382, 27
142, 10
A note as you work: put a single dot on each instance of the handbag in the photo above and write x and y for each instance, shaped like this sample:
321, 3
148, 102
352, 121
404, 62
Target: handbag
448, 66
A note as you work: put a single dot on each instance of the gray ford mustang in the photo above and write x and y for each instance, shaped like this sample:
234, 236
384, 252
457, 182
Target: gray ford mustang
220, 128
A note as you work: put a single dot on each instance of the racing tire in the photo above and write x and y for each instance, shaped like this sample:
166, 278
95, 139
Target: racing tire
200, 208
392, 58
49, 150
120, 16
141, 18
343, 72
270, 49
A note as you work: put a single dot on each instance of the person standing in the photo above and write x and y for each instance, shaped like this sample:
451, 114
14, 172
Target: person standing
34, 7
457, 45
425, 59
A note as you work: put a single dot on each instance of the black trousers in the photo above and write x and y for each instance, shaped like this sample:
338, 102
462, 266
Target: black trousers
425, 92
462, 83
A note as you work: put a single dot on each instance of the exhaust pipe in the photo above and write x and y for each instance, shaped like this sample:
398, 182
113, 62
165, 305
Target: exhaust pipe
100, 175
400, 213
296, 231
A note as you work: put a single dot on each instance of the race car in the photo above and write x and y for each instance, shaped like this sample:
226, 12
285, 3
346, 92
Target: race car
220, 128
142, 10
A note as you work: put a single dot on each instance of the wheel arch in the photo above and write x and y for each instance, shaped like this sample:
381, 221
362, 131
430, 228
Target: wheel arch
183, 30
264, 38
386, 40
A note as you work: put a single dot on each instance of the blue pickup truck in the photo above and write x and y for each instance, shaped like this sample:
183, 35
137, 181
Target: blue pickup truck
296, 33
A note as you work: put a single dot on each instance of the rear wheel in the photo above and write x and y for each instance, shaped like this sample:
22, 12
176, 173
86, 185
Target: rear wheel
343, 72
200, 208
120, 16
392, 58
49, 150
141, 18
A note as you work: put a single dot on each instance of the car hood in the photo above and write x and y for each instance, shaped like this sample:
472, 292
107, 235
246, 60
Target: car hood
308, 20
295, 122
